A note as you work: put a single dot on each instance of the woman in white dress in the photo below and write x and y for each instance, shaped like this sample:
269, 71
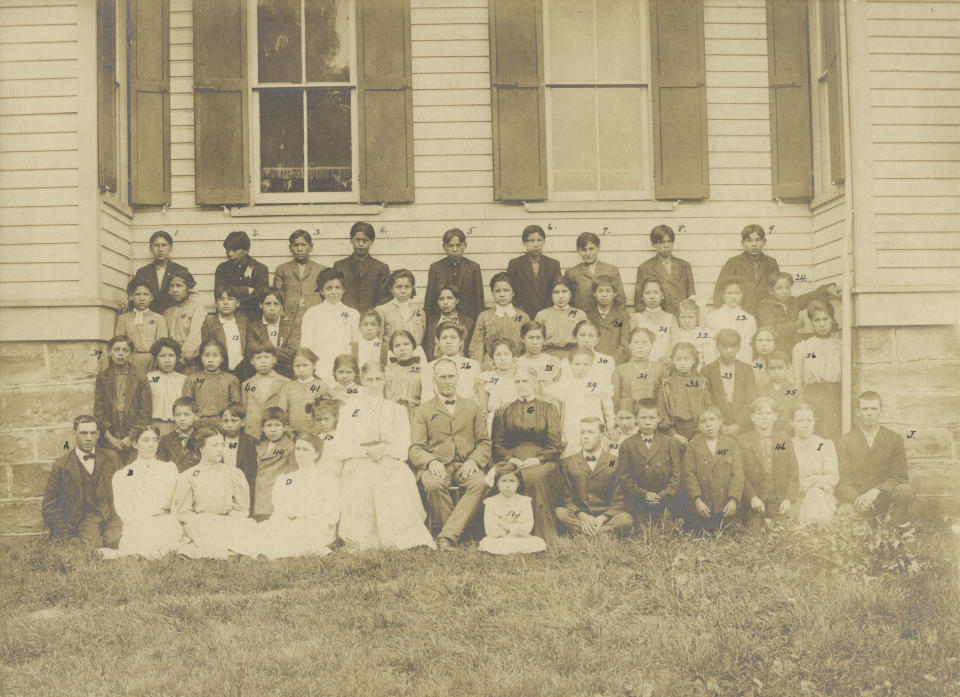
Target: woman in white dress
819, 473
212, 500
306, 508
508, 516
143, 496
379, 502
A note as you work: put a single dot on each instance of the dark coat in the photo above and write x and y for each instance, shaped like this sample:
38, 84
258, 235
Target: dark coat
676, 286
593, 492
213, 329
642, 470
287, 342
714, 477
254, 277
744, 392
470, 283
63, 504
161, 297
436, 435
172, 450
785, 482
532, 294
137, 411
862, 468
753, 276
364, 289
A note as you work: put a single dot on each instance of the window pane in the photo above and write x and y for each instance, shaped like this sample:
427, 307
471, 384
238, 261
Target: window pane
621, 138
328, 40
571, 41
620, 53
328, 139
278, 40
574, 139
281, 141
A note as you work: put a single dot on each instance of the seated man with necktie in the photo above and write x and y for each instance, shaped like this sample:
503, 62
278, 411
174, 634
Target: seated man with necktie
450, 446
592, 504
650, 467
78, 499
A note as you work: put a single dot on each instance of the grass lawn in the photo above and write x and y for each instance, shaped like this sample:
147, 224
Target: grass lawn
768, 613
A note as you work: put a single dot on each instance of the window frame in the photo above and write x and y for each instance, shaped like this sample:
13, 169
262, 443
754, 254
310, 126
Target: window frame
825, 189
254, 87
121, 112
646, 114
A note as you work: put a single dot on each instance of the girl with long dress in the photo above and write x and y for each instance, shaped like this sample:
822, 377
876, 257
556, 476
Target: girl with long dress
652, 316
380, 503
495, 387
579, 396
819, 470
306, 508
527, 432
143, 496
508, 516
403, 372
212, 500
330, 328
817, 365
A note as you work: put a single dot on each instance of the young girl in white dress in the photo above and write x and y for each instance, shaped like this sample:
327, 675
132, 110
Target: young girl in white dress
817, 366
508, 516
587, 335
496, 387
330, 328
143, 496
653, 317
306, 508
819, 472
380, 504
580, 396
212, 500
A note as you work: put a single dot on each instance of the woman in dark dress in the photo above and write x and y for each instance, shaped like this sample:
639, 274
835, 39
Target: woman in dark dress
527, 432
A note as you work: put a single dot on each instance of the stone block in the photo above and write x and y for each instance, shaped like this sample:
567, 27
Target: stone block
873, 345
55, 405
22, 363
17, 446
928, 343
932, 477
20, 517
907, 378
29, 480
50, 442
927, 442
74, 360
918, 410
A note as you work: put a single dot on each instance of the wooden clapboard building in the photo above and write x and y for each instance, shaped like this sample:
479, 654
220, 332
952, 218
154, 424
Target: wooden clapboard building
834, 124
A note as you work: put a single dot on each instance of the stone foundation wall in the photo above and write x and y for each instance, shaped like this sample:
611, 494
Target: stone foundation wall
917, 372
43, 386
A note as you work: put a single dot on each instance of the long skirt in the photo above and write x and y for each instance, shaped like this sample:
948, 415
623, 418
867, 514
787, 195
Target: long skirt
542, 484
152, 537
292, 537
511, 544
214, 536
826, 400
816, 506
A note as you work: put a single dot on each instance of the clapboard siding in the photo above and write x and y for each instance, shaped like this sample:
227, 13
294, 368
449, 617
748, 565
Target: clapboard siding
914, 61
39, 176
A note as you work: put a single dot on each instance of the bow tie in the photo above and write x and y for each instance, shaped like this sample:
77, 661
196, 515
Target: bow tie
88, 456
648, 441
590, 458
449, 402
138, 317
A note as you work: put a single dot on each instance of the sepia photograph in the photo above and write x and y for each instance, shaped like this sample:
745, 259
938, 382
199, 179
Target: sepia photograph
480, 348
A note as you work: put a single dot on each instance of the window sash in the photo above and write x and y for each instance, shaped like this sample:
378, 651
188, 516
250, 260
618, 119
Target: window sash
254, 101
824, 189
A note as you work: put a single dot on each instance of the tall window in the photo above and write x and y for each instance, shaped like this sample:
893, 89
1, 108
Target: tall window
303, 105
111, 68
597, 97
825, 96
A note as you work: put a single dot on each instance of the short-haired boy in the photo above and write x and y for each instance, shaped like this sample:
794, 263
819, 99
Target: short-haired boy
263, 389
532, 275
248, 276
675, 275
458, 271
732, 383
612, 319
230, 329
713, 475
782, 388
176, 446
158, 272
365, 279
752, 267
274, 459
781, 311
590, 496
275, 329
141, 324
450, 345
651, 467
771, 474
239, 449
731, 315
585, 274
122, 398
297, 278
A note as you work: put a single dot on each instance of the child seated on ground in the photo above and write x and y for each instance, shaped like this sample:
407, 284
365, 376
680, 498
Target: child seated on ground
640, 377
508, 516
503, 321
212, 388
769, 466
450, 343
731, 384
141, 324
713, 475
274, 459
818, 469
612, 320
683, 395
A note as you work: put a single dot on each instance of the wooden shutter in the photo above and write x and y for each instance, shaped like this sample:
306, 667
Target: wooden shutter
790, 117
519, 120
220, 101
107, 95
679, 100
150, 102
830, 63
385, 101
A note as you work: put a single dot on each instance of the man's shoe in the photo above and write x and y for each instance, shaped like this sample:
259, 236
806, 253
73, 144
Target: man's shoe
444, 545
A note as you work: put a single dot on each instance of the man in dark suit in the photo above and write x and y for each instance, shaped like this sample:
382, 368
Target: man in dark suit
364, 278
78, 499
177, 446
532, 273
458, 271
276, 329
297, 279
592, 504
244, 273
450, 445
156, 274
732, 385
873, 466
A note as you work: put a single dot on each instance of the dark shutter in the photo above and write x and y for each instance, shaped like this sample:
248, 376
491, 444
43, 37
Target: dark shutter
679, 100
220, 101
519, 121
789, 69
830, 62
385, 101
150, 102
107, 94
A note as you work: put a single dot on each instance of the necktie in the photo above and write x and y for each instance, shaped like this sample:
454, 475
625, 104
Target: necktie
138, 318
648, 441
183, 439
590, 458
449, 402
88, 456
